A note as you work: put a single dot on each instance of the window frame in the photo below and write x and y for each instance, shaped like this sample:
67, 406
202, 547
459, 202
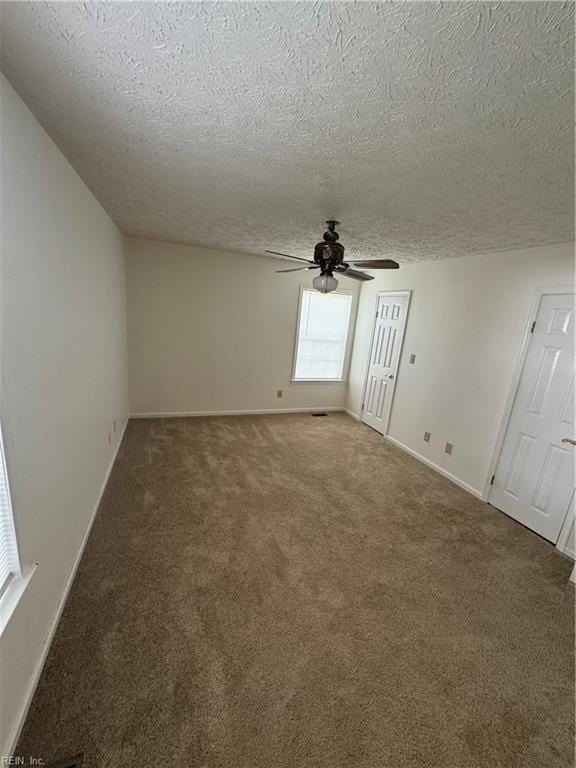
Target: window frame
10, 524
15, 586
349, 337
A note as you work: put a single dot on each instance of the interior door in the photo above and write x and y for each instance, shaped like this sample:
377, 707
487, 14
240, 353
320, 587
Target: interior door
390, 320
534, 480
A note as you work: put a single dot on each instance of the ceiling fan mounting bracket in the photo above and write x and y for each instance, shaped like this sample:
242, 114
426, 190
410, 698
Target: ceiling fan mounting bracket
331, 235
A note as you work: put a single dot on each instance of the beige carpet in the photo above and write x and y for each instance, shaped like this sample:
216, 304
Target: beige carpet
289, 592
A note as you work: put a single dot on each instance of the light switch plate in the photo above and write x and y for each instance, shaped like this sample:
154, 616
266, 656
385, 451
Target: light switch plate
448, 449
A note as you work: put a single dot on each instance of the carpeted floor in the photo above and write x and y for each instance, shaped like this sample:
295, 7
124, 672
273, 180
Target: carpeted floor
288, 592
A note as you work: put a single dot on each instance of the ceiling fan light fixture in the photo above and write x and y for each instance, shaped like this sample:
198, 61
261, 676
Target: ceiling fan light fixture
325, 283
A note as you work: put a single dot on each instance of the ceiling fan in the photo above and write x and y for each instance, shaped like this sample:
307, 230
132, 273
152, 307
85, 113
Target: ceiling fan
329, 258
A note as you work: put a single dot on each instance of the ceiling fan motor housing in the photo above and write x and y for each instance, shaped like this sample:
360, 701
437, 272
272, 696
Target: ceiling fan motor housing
329, 252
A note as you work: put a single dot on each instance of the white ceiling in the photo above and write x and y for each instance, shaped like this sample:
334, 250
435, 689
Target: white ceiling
428, 129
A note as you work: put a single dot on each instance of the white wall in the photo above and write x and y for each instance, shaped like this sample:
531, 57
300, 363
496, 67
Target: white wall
465, 325
64, 376
214, 331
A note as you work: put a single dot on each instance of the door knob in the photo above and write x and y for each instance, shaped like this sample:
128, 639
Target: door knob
568, 440
391, 376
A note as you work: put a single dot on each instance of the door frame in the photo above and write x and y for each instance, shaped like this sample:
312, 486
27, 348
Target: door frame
515, 383
407, 293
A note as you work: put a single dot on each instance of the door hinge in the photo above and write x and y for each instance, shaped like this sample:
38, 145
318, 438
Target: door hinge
492, 480
533, 326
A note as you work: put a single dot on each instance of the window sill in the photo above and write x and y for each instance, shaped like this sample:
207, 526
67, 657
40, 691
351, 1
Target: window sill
318, 381
12, 596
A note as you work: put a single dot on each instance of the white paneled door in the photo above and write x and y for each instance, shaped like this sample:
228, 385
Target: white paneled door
534, 480
389, 325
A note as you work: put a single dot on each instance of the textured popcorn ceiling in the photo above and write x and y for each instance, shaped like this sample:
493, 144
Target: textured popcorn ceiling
428, 129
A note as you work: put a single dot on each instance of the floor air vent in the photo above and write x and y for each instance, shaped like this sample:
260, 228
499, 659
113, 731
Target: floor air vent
69, 762
319, 413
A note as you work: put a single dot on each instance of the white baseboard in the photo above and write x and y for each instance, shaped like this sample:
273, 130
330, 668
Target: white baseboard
17, 729
186, 414
440, 470
352, 414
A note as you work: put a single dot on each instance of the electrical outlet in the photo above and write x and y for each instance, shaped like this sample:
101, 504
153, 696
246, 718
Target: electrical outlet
427, 436
114, 424
412, 359
279, 393
448, 449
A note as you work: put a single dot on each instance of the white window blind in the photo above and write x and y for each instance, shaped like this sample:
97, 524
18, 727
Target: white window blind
9, 566
322, 336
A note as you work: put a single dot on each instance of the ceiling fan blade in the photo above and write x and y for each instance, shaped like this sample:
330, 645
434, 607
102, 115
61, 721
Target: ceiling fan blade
354, 274
299, 269
287, 255
377, 264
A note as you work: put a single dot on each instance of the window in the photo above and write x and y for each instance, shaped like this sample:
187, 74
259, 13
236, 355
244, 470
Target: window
9, 565
322, 338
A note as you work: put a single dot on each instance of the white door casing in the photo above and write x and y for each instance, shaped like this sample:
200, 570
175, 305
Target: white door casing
387, 337
567, 539
534, 478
